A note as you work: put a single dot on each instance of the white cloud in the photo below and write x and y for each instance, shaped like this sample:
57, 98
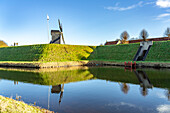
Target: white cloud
161, 95
163, 3
163, 108
166, 21
162, 16
117, 8
168, 10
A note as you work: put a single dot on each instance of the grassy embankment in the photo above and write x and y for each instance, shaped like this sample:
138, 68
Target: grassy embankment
60, 53
8, 105
118, 53
3, 44
45, 53
159, 52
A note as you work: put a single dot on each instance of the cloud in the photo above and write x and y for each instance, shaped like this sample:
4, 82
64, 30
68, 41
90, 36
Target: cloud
163, 3
161, 95
168, 10
117, 8
162, 16
163, 108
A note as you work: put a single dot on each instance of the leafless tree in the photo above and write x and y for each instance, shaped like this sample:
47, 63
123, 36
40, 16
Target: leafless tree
167, 32
144, 34
124, 36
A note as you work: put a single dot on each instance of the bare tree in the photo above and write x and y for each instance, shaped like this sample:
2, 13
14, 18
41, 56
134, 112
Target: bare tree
124, 36
167, 32
144, 34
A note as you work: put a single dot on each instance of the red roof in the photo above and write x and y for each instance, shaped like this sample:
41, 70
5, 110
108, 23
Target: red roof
111, 43
140, 40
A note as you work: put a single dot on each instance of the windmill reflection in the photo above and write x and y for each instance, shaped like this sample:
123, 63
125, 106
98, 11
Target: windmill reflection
59, 90
144, 82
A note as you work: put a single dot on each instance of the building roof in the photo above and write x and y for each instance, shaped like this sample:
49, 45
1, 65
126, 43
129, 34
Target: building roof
111, 43
139, 40
55, 31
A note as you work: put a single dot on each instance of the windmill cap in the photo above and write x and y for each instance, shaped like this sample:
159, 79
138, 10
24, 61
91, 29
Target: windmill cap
55, 31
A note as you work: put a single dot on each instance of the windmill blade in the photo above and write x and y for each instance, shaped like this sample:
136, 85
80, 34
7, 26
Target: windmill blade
59, 22
60, 25
61, 28
63, 38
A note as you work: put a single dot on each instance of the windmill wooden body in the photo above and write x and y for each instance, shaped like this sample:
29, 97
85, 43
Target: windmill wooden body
57, 34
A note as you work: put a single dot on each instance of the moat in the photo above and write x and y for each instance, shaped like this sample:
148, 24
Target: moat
90, 90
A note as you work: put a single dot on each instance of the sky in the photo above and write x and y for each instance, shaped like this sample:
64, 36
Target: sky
85, 22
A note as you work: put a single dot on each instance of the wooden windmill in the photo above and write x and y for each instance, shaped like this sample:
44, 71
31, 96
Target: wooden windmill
57, 34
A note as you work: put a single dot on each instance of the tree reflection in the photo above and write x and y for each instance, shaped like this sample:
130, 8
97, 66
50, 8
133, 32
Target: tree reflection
168, 94
124, 87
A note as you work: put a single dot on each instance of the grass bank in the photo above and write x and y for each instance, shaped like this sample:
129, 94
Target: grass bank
118, 53
43, 53
8, 105
160, 51
46, 53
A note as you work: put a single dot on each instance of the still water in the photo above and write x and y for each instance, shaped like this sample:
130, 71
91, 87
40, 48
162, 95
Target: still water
90, 90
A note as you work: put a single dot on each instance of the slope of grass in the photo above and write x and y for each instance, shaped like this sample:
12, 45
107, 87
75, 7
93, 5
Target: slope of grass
8, 105
46, 53
160, 51
115, 52
3, 44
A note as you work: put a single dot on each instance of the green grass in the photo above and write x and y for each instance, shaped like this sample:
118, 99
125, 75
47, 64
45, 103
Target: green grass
8, 105
3, 44
115, 52
160, 51
46, 53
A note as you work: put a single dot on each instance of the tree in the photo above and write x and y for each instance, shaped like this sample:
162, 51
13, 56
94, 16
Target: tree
124, 36
167, 32
144, 34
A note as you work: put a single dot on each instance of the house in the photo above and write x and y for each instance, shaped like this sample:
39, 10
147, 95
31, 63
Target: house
137, 41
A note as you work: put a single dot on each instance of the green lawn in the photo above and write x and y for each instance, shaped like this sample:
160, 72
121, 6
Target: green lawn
8, 105
46, 53
160, 51
115, 52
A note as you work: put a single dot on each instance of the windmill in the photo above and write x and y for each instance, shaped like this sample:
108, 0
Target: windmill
57, 34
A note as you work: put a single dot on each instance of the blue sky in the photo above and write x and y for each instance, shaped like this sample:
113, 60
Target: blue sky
85, 22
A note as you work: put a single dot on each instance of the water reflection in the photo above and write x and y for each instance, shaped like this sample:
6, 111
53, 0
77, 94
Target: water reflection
124, 87
144, 82
87, 89
168, 94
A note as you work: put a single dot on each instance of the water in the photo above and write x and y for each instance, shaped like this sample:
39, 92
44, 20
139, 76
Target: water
90, 90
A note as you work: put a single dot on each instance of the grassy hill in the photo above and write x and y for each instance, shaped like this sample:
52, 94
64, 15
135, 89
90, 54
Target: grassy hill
160, 51
115, 52
8, 105
3, 44
46, 53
